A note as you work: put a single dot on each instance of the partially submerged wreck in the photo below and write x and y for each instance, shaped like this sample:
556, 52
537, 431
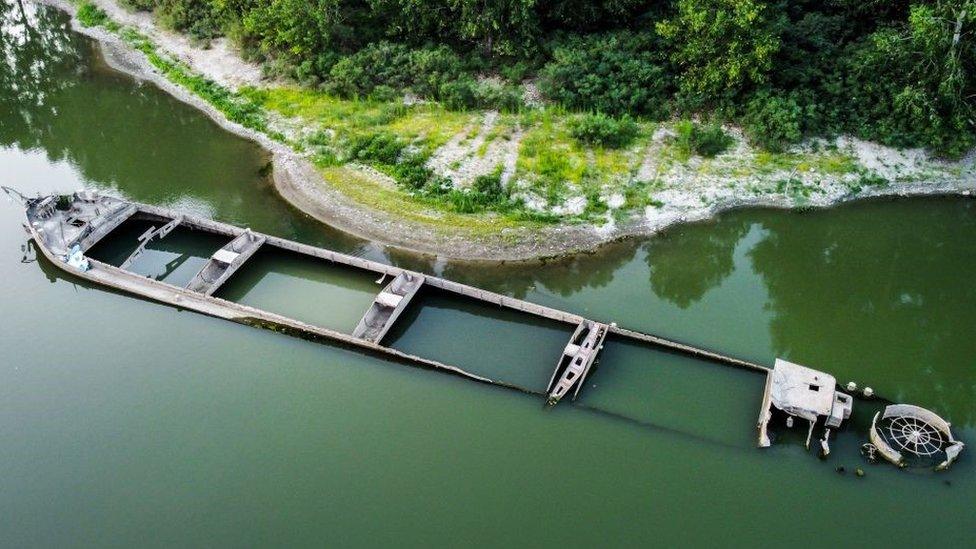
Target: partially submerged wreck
908, 435
804, 393
66, 227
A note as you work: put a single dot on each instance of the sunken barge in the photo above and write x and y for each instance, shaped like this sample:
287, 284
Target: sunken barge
66, 227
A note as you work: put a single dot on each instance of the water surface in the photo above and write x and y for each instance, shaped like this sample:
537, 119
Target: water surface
124, 422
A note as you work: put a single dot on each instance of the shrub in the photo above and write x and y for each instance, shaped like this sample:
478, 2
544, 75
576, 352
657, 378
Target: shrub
431, 68
773, 121
504, 97
383, 94
382, 147
90, 15
382, 63
602, 130
615, 74
486, 193
515, 72
459, 94
489, 188
707, 140
195, 17
142, 5
429, 72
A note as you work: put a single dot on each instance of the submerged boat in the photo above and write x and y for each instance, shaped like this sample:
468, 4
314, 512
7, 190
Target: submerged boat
65, 227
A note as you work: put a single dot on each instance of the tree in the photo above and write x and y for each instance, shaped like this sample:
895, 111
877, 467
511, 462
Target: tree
495, 27
929, 65
720, 47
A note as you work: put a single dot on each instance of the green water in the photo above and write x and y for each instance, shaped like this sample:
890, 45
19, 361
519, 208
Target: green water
303, 288
127, 423
174, 259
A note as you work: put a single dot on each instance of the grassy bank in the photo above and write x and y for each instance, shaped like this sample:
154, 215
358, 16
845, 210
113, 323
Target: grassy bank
480, 172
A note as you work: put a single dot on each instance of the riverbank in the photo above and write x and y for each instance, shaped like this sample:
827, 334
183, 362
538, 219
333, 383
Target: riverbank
570, 197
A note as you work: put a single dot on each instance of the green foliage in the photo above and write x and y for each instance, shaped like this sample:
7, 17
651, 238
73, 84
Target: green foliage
433, 72
90, 15
486, 194
141, 5
721, 46
602, 130
499, 27
384, 148
773, 121
707, 140
903, 72
310, 35
617, 74
929, 80
198, 18
379, 64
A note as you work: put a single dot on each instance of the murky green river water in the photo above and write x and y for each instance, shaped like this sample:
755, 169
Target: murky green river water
127, 423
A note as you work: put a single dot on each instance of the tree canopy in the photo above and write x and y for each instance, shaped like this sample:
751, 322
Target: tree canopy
897, 71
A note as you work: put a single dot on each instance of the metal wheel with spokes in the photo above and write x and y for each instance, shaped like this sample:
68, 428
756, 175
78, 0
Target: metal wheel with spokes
915, 436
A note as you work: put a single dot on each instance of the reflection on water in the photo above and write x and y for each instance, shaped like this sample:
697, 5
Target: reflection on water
69, 121
881, 294
872, 292
139, 417
682, 268
175, 259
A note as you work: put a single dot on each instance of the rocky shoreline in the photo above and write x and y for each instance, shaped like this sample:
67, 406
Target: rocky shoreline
300, 183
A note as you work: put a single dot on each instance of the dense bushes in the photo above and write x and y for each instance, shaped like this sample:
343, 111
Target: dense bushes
386, 70
618, 73
773, 121
704, 140
901, 72
91, 15
199, 18
602, 130
721, 47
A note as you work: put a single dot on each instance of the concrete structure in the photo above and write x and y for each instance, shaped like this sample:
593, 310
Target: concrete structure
577, 359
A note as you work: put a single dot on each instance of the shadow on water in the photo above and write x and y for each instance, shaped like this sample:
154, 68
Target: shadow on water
711, 401
174, 259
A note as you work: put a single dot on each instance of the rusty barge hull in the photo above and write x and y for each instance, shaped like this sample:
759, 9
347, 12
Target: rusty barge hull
65, 228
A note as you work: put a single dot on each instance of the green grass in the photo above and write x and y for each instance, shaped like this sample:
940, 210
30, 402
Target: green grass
90, 15
398, 203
